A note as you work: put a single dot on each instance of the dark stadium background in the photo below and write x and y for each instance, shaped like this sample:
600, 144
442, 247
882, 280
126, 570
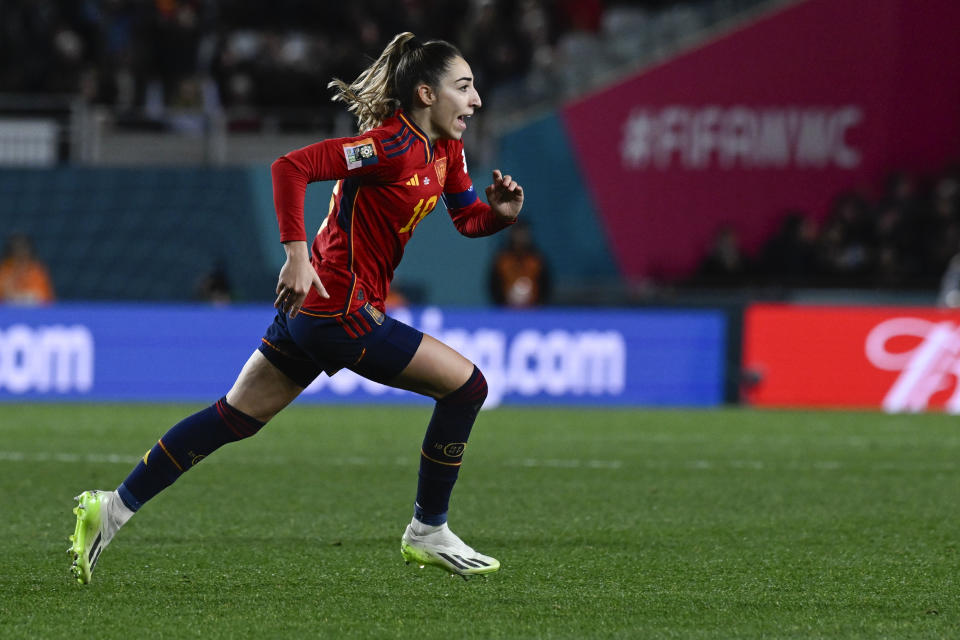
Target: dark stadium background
731, 418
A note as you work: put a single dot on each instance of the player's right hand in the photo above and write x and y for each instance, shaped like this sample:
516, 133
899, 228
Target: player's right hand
296, 277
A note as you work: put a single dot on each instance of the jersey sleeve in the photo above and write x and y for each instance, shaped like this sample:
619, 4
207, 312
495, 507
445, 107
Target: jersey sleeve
335, 159
471, 216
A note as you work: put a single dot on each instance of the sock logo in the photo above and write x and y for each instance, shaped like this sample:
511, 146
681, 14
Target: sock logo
454, 449
195, 457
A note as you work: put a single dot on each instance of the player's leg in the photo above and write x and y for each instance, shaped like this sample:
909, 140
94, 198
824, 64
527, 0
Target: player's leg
459, 387
259, 393
399, 355
262, 390
272, 378
435, 370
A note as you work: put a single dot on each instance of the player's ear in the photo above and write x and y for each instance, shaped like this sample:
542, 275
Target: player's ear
426, 94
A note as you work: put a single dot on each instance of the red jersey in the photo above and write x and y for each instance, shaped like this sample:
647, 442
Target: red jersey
388, 179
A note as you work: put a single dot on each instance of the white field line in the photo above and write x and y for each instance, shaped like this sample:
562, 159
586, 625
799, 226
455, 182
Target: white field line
47, 456
564, 464
353, 461
529, 463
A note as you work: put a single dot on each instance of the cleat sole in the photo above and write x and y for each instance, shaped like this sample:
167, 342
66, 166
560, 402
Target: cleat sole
83, 552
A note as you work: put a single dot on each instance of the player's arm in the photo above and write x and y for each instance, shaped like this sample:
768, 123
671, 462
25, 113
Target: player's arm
327, 160
474, 218
333, 159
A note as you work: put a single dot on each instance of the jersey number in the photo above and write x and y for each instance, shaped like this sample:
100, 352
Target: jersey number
419, 213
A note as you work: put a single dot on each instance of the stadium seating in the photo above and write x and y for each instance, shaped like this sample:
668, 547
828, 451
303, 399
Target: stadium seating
138, 234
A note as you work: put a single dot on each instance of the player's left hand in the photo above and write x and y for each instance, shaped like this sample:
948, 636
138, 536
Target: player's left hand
505, 196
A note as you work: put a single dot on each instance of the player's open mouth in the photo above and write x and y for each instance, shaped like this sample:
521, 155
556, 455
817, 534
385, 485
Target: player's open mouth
462, 121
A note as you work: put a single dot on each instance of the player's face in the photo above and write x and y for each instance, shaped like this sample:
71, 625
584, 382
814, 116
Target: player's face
456, 101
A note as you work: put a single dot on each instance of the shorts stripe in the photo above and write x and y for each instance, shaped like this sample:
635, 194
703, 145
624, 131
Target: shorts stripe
267, 342
355, 321
347, 328
363, 352
363, 321
350, 320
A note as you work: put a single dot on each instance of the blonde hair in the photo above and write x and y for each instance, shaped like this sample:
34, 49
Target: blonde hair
390, 82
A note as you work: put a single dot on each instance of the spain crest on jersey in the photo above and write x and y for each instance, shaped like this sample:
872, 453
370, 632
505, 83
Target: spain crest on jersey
441, 168
360, 153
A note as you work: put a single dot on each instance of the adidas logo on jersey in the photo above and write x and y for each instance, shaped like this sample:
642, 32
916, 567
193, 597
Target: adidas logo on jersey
414, 181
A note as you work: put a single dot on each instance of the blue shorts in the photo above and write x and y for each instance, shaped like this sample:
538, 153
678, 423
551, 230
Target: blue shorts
367, 341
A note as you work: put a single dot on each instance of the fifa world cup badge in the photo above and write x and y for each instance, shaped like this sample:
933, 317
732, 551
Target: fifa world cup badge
360, 153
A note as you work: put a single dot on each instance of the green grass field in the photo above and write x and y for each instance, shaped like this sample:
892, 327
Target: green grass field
628, 524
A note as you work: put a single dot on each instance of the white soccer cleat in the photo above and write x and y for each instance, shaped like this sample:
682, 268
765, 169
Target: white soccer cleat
442, 548
99, 516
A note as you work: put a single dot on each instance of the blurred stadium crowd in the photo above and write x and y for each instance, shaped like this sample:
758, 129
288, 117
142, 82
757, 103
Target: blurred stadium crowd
264, 66
906, 237
272, 60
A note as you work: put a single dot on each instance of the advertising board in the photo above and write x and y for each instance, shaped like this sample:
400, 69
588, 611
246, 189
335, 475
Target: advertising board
900, 359
548, 357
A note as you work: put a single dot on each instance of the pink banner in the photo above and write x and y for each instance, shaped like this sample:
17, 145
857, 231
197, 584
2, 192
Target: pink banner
806, 102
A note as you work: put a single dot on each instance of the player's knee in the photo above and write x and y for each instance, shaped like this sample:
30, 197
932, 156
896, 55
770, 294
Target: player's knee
240, 423
471, 394
482, 389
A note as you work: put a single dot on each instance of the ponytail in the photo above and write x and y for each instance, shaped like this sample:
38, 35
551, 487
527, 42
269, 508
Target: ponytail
391, 81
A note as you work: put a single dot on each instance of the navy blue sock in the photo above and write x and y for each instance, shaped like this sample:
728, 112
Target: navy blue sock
443, 446
184, 445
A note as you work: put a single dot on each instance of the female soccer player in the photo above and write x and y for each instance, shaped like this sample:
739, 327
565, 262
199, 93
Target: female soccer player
412, 105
